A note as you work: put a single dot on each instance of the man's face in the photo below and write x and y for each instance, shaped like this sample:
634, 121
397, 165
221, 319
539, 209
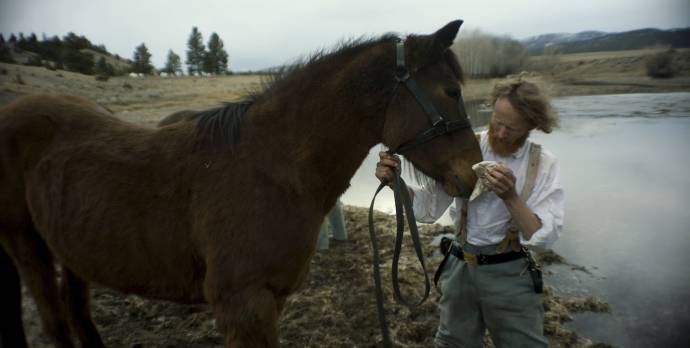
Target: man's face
508, 130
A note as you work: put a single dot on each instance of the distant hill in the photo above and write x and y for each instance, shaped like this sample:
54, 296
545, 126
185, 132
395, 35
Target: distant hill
120, 64
536, 44
72, 53
596, 41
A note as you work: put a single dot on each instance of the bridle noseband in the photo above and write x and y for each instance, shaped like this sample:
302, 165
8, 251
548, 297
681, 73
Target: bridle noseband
439, 126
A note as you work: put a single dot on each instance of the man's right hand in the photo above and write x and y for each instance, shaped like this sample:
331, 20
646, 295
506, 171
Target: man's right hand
386, 166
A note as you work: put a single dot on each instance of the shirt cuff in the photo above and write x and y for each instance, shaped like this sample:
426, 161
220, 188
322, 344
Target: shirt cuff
543, 238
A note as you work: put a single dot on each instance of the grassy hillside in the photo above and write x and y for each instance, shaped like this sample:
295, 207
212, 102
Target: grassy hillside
635, 39
609, 72
145, 100
596, 41
120, 65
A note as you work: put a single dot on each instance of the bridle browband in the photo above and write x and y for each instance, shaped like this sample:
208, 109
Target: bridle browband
403, 202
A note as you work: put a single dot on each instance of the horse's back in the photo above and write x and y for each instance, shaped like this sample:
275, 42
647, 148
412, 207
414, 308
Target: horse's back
36, 119
103, 194
31, 128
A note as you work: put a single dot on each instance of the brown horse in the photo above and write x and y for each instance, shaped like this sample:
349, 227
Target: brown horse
225, 210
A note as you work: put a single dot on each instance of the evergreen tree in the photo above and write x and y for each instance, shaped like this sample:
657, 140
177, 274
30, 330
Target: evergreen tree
72, 41
216, 59
28, 43
75, 60
195, 53
174, 65
142, 60
52, 49
5, 54
13, 39
32, 44
104, 68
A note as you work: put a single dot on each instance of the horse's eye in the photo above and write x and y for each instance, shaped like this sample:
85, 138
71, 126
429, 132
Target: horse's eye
453, 93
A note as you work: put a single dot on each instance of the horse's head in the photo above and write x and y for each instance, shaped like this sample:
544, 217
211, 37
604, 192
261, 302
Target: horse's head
426, 120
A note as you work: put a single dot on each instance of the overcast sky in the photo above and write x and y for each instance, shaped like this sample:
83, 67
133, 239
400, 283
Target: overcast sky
263, 33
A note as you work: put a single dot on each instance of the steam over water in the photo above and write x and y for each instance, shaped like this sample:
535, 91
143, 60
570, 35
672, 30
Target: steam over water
626, 172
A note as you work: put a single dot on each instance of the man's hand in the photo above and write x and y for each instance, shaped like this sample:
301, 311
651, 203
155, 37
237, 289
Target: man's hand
502, 182
386, 167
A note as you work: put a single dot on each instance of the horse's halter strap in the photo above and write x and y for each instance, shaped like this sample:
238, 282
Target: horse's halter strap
403, 201
439, 124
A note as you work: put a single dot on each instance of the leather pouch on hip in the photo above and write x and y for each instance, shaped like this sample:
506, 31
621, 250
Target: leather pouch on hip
537, 279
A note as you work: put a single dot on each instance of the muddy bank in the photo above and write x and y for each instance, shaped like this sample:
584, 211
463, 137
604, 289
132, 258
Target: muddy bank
334, 308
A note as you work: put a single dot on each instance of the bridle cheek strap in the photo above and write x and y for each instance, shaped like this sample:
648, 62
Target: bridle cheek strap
439, 124
403, 202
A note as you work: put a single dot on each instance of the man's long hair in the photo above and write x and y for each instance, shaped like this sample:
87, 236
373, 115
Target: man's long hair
528, 101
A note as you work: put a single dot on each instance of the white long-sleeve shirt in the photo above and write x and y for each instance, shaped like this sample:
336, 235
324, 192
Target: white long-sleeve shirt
487, 216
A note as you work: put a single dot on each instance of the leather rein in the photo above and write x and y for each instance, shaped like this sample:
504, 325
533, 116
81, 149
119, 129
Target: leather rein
403, 202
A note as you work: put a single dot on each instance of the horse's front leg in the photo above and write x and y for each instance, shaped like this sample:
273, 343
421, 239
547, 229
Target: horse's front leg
248, 318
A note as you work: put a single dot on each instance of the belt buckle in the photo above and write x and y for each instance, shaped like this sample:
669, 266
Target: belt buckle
470, 258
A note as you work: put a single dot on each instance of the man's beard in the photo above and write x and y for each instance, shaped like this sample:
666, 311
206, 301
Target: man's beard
502, 148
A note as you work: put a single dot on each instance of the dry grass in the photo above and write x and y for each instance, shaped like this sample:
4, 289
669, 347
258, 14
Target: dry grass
146, 100
589, 56
334, 308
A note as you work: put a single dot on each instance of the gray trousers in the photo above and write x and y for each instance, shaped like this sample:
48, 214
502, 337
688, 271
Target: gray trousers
335, 221
498, 297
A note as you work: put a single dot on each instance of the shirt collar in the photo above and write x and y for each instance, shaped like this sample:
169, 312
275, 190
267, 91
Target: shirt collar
521, 151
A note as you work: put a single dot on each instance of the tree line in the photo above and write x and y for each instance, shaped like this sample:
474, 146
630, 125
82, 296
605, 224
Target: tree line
73, 53
484, 55
56, 53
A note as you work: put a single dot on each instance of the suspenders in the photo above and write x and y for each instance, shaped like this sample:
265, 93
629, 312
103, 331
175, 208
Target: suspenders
512, 238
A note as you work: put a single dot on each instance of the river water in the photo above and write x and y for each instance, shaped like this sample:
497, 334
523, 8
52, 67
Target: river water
626, 173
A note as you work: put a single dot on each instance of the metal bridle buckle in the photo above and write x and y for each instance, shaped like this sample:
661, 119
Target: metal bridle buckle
402, 74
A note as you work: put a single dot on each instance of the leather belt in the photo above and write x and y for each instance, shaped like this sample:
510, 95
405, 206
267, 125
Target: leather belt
481, 259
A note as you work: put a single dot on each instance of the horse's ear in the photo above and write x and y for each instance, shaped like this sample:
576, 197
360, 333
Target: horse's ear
445, 36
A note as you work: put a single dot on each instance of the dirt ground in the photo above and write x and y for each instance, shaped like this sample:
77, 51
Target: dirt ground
336, 306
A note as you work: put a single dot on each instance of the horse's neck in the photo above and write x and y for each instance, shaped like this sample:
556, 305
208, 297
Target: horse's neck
322, 134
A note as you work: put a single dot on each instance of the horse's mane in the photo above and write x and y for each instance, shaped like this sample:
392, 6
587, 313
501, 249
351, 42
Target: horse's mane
290, 73
220, 127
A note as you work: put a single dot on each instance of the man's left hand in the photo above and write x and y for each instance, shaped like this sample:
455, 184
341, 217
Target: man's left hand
502, 182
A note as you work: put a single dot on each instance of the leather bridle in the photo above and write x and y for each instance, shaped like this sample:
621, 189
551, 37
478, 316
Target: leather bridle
439, 126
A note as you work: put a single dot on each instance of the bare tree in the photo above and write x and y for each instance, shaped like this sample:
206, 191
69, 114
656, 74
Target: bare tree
483, 55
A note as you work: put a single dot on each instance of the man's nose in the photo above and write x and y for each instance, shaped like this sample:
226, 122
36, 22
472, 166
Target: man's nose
502, 132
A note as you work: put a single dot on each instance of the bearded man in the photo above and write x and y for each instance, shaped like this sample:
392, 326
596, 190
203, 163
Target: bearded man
489, 280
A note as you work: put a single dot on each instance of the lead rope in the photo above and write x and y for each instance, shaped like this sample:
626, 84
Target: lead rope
403, 206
